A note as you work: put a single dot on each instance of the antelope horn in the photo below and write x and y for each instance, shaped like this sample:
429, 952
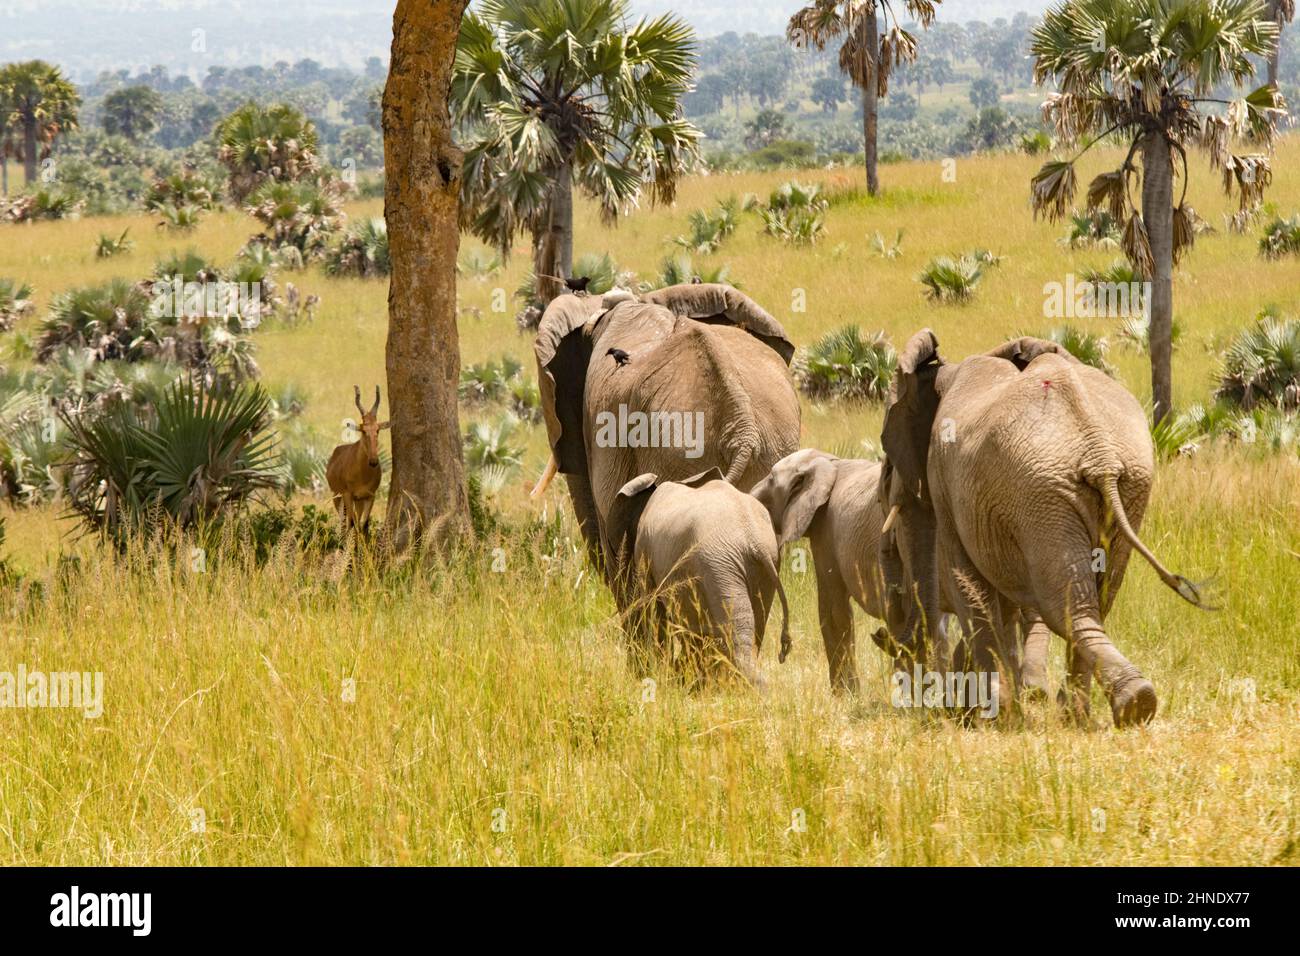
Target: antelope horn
376, 408
544, 482
889, 520
356, 397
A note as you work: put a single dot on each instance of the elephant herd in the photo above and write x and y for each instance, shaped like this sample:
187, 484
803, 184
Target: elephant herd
1009, 497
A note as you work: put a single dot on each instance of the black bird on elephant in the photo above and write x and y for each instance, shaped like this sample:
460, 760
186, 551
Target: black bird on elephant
621, 357
577, 283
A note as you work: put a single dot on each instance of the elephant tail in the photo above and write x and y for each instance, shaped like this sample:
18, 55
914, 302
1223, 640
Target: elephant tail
775, 572
1186, 589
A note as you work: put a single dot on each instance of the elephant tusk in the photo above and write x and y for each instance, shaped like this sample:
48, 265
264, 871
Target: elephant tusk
889, 520
544, 482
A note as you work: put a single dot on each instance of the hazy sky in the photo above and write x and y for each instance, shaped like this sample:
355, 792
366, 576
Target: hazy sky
87, 36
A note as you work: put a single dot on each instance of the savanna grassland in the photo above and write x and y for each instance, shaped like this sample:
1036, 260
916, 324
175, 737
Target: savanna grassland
494, 721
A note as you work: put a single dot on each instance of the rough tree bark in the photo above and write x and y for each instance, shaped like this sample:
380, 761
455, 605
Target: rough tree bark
422, 169
870, 40
554, 260
1158, 215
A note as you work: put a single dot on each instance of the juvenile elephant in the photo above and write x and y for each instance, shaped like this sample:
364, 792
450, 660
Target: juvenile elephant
674, 382
1021, 476
834, 502
703, 556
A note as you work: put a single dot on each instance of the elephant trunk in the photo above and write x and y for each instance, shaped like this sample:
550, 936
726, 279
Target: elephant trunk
1109, 488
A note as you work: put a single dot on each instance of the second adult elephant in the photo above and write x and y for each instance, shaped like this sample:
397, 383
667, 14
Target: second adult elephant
1022, 474
674, 382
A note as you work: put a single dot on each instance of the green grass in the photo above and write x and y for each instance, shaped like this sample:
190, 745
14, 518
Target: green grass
479, 692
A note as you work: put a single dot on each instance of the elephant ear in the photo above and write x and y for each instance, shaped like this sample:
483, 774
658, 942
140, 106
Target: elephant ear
913, 402
1025, 349
563, 351
621, 527
719, 304
810, 488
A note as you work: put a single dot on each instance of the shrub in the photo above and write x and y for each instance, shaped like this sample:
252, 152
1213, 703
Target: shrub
194, 457
795, 213
1281, 238
846, 364
708, 229
680, 270
1135, 332
1095, 229
478, 263
1262, 366
42, 204
15, 302
303, 215
949, 279
188, 187
489, 444
363, 251
1088, 348
110, 321
109, 247
179, 218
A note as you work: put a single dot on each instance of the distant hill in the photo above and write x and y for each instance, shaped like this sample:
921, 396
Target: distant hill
87, 36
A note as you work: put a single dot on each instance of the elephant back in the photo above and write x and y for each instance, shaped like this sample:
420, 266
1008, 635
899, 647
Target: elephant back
715, 303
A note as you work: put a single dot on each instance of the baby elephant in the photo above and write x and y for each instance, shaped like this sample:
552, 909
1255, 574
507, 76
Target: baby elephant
702, 554
833, 502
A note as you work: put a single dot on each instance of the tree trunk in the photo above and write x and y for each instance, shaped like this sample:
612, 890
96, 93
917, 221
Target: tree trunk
422, 169
29, 151
870, 99
1158, 215
554, 259
1276, 56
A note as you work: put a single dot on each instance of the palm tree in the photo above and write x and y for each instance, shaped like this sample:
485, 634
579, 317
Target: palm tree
132, 111
257, 143
1143, 72
41, 104
867, 55
1280, 12
558, 93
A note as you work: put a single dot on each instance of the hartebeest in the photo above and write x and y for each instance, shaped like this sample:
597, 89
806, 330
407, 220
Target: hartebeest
353, 472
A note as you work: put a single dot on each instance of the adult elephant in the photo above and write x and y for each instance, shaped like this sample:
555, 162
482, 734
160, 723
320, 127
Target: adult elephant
1017, 480
674, 382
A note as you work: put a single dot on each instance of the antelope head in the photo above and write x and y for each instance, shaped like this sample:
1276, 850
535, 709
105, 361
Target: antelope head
370, 427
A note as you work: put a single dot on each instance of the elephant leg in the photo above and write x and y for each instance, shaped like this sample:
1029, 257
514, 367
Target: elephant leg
1132, 696
988, 647
1074, 697
835, 614
731, 613
1033, 667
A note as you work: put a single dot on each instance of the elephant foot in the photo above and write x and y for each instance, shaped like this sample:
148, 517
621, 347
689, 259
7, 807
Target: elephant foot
1134, 702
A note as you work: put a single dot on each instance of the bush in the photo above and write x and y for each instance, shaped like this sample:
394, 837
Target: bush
42, 204
708, 229
363, 251
846, 364
948, 279
1281, 238
1262, 366
1088, 348
15, 302
795, 213
111, 321
302, 215
109, 247
680, 270
196, 456
1092, 229
188, 187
